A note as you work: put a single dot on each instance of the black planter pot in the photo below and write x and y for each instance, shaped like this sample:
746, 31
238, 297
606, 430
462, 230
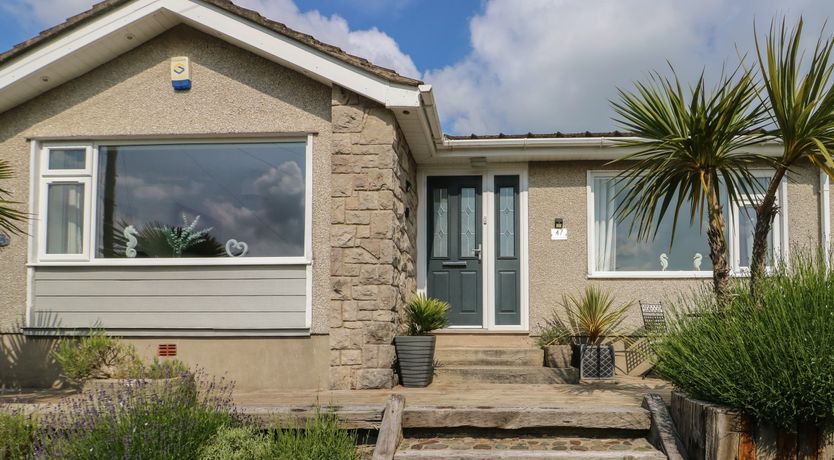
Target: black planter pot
415, 355
576, 350
596, 361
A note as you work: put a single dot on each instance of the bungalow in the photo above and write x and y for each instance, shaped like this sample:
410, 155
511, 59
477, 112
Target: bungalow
213, 185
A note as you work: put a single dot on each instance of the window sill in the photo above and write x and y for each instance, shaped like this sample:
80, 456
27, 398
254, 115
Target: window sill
652, 275
220, 261
168, 332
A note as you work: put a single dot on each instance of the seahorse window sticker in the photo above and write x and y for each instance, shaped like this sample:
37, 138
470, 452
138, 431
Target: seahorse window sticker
130, 234
696, 261
664, 262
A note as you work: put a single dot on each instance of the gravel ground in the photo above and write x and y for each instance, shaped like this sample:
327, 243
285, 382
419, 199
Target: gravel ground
526, 443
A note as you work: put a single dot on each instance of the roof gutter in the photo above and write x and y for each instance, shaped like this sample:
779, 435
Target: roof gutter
527, 142
430, 111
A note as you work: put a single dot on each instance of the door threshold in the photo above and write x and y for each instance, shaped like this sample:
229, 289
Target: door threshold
479, 330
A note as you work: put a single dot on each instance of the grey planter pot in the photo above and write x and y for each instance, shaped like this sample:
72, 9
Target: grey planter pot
415, 355
596, 361
557, 356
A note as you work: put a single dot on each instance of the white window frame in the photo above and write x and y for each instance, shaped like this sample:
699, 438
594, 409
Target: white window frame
64, 176
779, 229
45, 176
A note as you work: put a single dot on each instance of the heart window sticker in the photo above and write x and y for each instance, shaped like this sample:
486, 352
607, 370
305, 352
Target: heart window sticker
235, 248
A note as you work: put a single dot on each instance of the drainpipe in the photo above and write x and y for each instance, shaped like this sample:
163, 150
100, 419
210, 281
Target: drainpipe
825, 205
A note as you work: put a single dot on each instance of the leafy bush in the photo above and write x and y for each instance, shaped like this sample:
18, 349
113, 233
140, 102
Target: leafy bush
144, 420
164, 369
320, 439
771, 356
96, 356
593, 314
238, 443
17, 435
425, 314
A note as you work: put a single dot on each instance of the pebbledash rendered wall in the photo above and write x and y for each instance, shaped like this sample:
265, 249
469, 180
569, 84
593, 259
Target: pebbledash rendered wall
559, 189
373, 241
363, 189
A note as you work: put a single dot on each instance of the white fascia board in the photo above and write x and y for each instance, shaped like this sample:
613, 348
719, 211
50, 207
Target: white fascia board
555, 149
279, 48
458, 144
31, 63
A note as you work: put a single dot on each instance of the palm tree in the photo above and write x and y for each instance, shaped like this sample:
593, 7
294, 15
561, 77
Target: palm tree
690, 145
9, 216
800, 104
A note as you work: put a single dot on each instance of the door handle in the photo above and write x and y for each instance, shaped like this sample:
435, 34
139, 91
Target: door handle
478, 251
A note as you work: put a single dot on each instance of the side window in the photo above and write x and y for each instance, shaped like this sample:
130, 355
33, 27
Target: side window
65, 202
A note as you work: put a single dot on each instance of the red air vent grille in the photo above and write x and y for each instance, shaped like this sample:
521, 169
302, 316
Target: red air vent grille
167, 350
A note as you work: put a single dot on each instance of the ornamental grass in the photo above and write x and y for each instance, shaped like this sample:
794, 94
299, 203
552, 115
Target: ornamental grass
771, 356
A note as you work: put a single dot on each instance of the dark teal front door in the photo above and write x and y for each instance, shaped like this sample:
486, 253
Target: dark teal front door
455, 246
507, 250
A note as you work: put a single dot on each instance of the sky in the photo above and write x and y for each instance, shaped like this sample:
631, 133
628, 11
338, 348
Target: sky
513, 66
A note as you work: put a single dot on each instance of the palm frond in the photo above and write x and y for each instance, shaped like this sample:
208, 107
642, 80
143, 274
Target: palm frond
799, 95
686, 143
10, 216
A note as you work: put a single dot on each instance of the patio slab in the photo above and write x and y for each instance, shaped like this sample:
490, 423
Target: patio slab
598, 405
625, 391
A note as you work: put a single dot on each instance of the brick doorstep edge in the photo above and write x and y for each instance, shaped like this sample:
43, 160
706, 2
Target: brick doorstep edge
663, 434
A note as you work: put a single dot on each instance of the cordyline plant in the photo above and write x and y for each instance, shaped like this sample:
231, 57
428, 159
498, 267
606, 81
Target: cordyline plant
689, 145
593, 314
799, 98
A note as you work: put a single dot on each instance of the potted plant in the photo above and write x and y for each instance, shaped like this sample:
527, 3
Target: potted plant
555, 340
594, 318
415, 349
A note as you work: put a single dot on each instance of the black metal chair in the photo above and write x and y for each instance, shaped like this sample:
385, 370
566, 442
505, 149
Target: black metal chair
654, 321
654, 318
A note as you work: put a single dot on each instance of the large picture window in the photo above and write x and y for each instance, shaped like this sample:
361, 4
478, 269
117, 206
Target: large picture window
237, 201
614, 250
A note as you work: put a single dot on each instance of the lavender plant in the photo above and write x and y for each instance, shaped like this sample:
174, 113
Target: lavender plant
143, 420
17, 434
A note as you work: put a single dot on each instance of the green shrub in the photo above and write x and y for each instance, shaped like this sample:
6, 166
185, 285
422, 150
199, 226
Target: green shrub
320, 439
96, 356
17, 435
164, 369
425, 314
146, 420
772, 356
238, 443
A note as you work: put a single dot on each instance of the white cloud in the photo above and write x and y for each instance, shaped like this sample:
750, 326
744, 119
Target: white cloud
372, 44
552, 65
